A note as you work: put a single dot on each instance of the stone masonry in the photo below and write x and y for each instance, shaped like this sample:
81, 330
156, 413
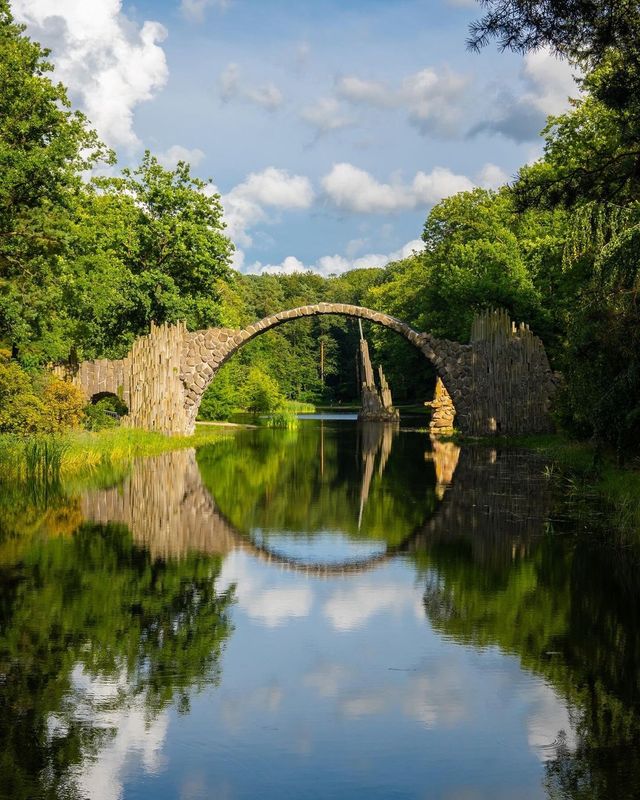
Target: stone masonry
500, 383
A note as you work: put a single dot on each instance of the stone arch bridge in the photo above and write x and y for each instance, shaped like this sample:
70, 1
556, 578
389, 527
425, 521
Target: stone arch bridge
498, 383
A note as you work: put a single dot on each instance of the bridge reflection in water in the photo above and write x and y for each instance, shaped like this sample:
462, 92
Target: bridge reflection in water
496, 500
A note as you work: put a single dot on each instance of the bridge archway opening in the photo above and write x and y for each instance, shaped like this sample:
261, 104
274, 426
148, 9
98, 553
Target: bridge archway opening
110, 402
212, 349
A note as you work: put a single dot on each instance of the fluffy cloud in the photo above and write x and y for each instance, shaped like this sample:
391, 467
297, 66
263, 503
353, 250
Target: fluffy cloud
232, 87
358, 90
337, 264
349, 189
134, 735
194, 9
326, 115
108, 62
176, 153
247, 203
549, 83
353, 189
432, 100
348, 609
492, 177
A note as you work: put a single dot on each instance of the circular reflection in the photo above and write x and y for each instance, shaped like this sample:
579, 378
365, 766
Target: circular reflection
324, 496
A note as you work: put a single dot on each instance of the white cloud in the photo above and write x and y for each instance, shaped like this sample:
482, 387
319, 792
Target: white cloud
551, 80
353, 189
177, 152
244, 206
358, 90
348, 609
336, 264
108, 62
268, 604
195, 9
432, 100
135, 734
326, 115
232, 87
276, 187
492, 177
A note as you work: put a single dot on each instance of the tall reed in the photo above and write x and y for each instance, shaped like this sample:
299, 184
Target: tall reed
281, 419
43, 456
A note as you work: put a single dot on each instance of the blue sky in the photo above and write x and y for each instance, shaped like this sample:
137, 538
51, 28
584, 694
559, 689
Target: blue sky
329, 128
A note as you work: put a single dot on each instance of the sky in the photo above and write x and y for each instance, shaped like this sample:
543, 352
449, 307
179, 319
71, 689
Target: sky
328, 128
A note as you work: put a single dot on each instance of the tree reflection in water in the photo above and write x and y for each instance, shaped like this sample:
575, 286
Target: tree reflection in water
498, 574
85, 611
127, 600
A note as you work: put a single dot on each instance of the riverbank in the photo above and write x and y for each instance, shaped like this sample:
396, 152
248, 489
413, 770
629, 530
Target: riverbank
589, 479
82, 451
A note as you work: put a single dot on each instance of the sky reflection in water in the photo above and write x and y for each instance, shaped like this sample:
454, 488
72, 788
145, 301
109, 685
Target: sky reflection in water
379, 633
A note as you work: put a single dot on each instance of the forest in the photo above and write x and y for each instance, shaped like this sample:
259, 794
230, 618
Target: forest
90, 254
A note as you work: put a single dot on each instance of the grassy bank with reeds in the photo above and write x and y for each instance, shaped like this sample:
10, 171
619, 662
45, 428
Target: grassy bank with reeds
590, 479
74, 453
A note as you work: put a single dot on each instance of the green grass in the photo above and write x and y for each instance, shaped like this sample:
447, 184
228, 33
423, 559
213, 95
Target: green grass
298, 407
86, 451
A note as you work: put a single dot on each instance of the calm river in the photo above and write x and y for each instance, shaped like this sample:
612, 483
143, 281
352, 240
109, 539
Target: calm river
328, 612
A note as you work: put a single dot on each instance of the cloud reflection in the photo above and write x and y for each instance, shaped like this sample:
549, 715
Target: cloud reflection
256, 595
348, 609
134, 735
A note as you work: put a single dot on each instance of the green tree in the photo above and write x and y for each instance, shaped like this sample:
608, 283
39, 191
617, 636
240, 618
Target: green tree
474, 259
148, 245
44, 147
261, 392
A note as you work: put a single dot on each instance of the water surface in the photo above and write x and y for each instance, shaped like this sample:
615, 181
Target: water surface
330, 612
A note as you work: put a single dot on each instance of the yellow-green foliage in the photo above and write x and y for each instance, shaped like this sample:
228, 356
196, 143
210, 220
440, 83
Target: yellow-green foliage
21, 411
64, 405
29, 406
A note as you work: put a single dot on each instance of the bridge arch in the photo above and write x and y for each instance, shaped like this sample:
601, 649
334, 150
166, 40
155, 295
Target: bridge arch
208, 350
499, 383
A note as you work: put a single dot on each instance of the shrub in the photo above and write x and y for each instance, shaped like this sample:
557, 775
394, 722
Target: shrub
21, 411
28, 407
99, 416
262, 394
64, 404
